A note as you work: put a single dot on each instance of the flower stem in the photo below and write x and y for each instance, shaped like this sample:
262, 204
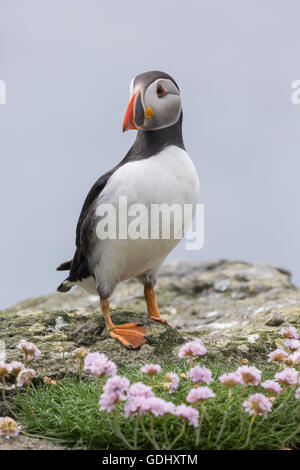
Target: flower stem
118, 430
152, 431
225, 416
135, 431
5, 400
64, 361
179, 435
249, 430
200, 425
79, 372
153, 441
285, 399
165, 431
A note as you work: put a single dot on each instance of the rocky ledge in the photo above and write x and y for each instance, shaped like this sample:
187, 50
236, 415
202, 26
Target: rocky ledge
236, 308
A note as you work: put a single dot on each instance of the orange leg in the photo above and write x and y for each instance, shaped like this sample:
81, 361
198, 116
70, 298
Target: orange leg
131, 335
153, 311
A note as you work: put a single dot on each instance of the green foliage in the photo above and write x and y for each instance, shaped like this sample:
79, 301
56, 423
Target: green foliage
69, 412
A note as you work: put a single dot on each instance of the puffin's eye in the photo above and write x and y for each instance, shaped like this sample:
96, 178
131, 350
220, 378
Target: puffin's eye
160, 91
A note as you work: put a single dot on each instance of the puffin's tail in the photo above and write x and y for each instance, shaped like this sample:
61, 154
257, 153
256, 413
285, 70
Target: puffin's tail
66, 266
66, 285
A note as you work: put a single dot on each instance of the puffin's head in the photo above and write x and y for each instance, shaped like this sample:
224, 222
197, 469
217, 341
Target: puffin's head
154, 102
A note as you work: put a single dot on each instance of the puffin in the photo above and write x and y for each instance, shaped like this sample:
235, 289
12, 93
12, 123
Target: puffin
156, 171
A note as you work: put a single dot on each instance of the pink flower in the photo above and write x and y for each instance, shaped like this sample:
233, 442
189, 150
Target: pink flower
90, 358
158, 407
28, 349
271, 386
151, 369
292, 344
114, 391
258, 404
188, 413
192, 349
16, 367
279, 355
133, 406
231, 379
289, 360
295, 358
199, 394
287, 377
171, 382
108, 402
25, 377
290, 333
8, 427
5, 370
141, 405
99, 365
297, 394
138, 389
250, 375
200, 375
118, 385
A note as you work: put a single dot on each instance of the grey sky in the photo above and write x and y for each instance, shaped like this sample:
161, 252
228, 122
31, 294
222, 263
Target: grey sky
67, 65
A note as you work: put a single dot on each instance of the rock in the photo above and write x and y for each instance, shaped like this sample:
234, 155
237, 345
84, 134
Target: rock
27, 443
236, 308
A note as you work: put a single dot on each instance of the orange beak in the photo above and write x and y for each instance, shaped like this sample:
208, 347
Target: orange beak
129, 122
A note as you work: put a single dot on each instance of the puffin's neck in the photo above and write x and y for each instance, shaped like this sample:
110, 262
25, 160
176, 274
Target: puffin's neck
149, 143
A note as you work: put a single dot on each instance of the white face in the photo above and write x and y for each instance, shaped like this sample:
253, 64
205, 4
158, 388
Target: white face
155, 102
163, 97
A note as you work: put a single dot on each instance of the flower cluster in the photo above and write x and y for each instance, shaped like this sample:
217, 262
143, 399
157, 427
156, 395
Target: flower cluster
16, 367
258, 404
200, 375
5, 370
80, 353
290, 356
114, 391
231, 379
279, 355
25, 377
287, 377
192, 349
139, 400
151, 369
28, 349
8, 427
189, 414
250, 375
272, 387
199, 394
289, 333
99, 365
171, 382
292, 344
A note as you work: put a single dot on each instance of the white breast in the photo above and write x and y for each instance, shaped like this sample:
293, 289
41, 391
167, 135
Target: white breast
168, 177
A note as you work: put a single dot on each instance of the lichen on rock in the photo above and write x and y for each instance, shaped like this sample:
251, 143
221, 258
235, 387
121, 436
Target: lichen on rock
236, 308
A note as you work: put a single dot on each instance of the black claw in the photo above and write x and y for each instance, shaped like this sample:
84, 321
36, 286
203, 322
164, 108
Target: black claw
148, 339
140, 324
130, 346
